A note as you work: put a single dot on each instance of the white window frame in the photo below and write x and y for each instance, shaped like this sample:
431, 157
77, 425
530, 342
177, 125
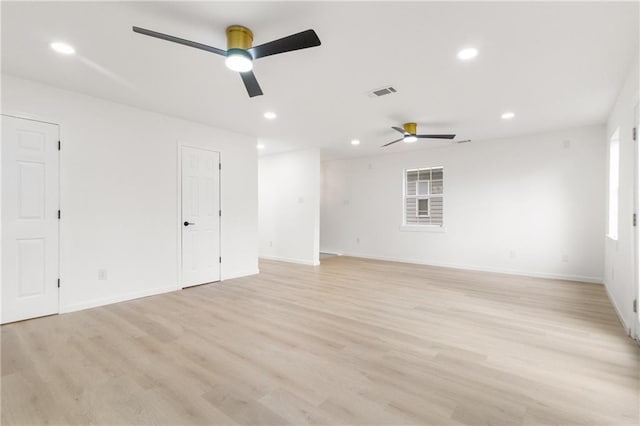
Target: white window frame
423, 226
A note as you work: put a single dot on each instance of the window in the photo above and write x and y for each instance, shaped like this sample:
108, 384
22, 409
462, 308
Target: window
614, 183
423, 196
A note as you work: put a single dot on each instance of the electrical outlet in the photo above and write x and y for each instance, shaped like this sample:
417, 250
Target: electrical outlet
512, 254
102, 274
565, 258
270, 243
357, 240
567, 144
300, 200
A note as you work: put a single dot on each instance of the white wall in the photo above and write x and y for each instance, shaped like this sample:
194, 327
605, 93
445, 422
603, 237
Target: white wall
619, 258
289, 206
119, 193
514, 205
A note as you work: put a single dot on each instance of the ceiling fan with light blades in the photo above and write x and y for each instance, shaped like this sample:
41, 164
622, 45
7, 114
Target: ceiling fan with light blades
409, 134
240, 51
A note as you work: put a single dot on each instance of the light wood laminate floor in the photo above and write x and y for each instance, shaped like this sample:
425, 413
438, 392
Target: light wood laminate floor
350, 342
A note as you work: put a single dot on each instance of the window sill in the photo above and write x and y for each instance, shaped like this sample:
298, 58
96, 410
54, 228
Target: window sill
423, 228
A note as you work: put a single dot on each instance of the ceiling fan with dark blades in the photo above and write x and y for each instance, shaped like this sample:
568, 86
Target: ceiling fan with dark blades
240, 51
409, 134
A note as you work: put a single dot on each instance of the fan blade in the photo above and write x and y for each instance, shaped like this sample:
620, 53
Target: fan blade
399, 140
180, 41
250, 82
435, 136
398, 129
290, 43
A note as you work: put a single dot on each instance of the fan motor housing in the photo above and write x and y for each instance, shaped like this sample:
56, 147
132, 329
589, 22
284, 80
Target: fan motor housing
410, 128
239, 37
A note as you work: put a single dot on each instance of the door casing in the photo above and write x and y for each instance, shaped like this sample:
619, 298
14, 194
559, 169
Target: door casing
635, 326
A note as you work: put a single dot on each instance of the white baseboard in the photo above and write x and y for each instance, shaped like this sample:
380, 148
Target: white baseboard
240, 274
328, 251
291, 260
94, 303
627, 327
535, 274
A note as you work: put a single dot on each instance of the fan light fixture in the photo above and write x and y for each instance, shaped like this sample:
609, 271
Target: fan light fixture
239, 40
409, 139
239, 60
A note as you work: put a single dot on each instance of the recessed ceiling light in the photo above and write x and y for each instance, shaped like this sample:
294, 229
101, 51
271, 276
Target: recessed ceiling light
260, 146
355, 142
409, 139
63, 48
270, 115
508, 115
468, 53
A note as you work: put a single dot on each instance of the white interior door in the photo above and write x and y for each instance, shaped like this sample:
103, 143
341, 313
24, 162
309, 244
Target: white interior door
200, 220
29, 219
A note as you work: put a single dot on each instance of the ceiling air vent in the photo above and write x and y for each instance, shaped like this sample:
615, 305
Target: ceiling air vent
464, 141
382, 91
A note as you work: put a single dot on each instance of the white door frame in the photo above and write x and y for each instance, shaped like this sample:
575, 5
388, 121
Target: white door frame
635, 323
32, 117
179, 225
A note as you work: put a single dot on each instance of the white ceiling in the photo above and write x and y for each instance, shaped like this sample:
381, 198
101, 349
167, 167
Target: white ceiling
554, 64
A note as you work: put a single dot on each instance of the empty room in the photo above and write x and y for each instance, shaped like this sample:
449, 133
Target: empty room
320, 212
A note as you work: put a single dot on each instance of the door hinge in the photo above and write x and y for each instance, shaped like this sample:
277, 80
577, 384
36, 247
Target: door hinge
635, 219
635, 305
58, 214
635, 133
220, 213
220, 259
219, 166
58, 282
59, 145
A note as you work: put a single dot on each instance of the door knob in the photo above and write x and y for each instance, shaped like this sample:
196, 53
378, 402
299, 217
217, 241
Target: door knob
188, 223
